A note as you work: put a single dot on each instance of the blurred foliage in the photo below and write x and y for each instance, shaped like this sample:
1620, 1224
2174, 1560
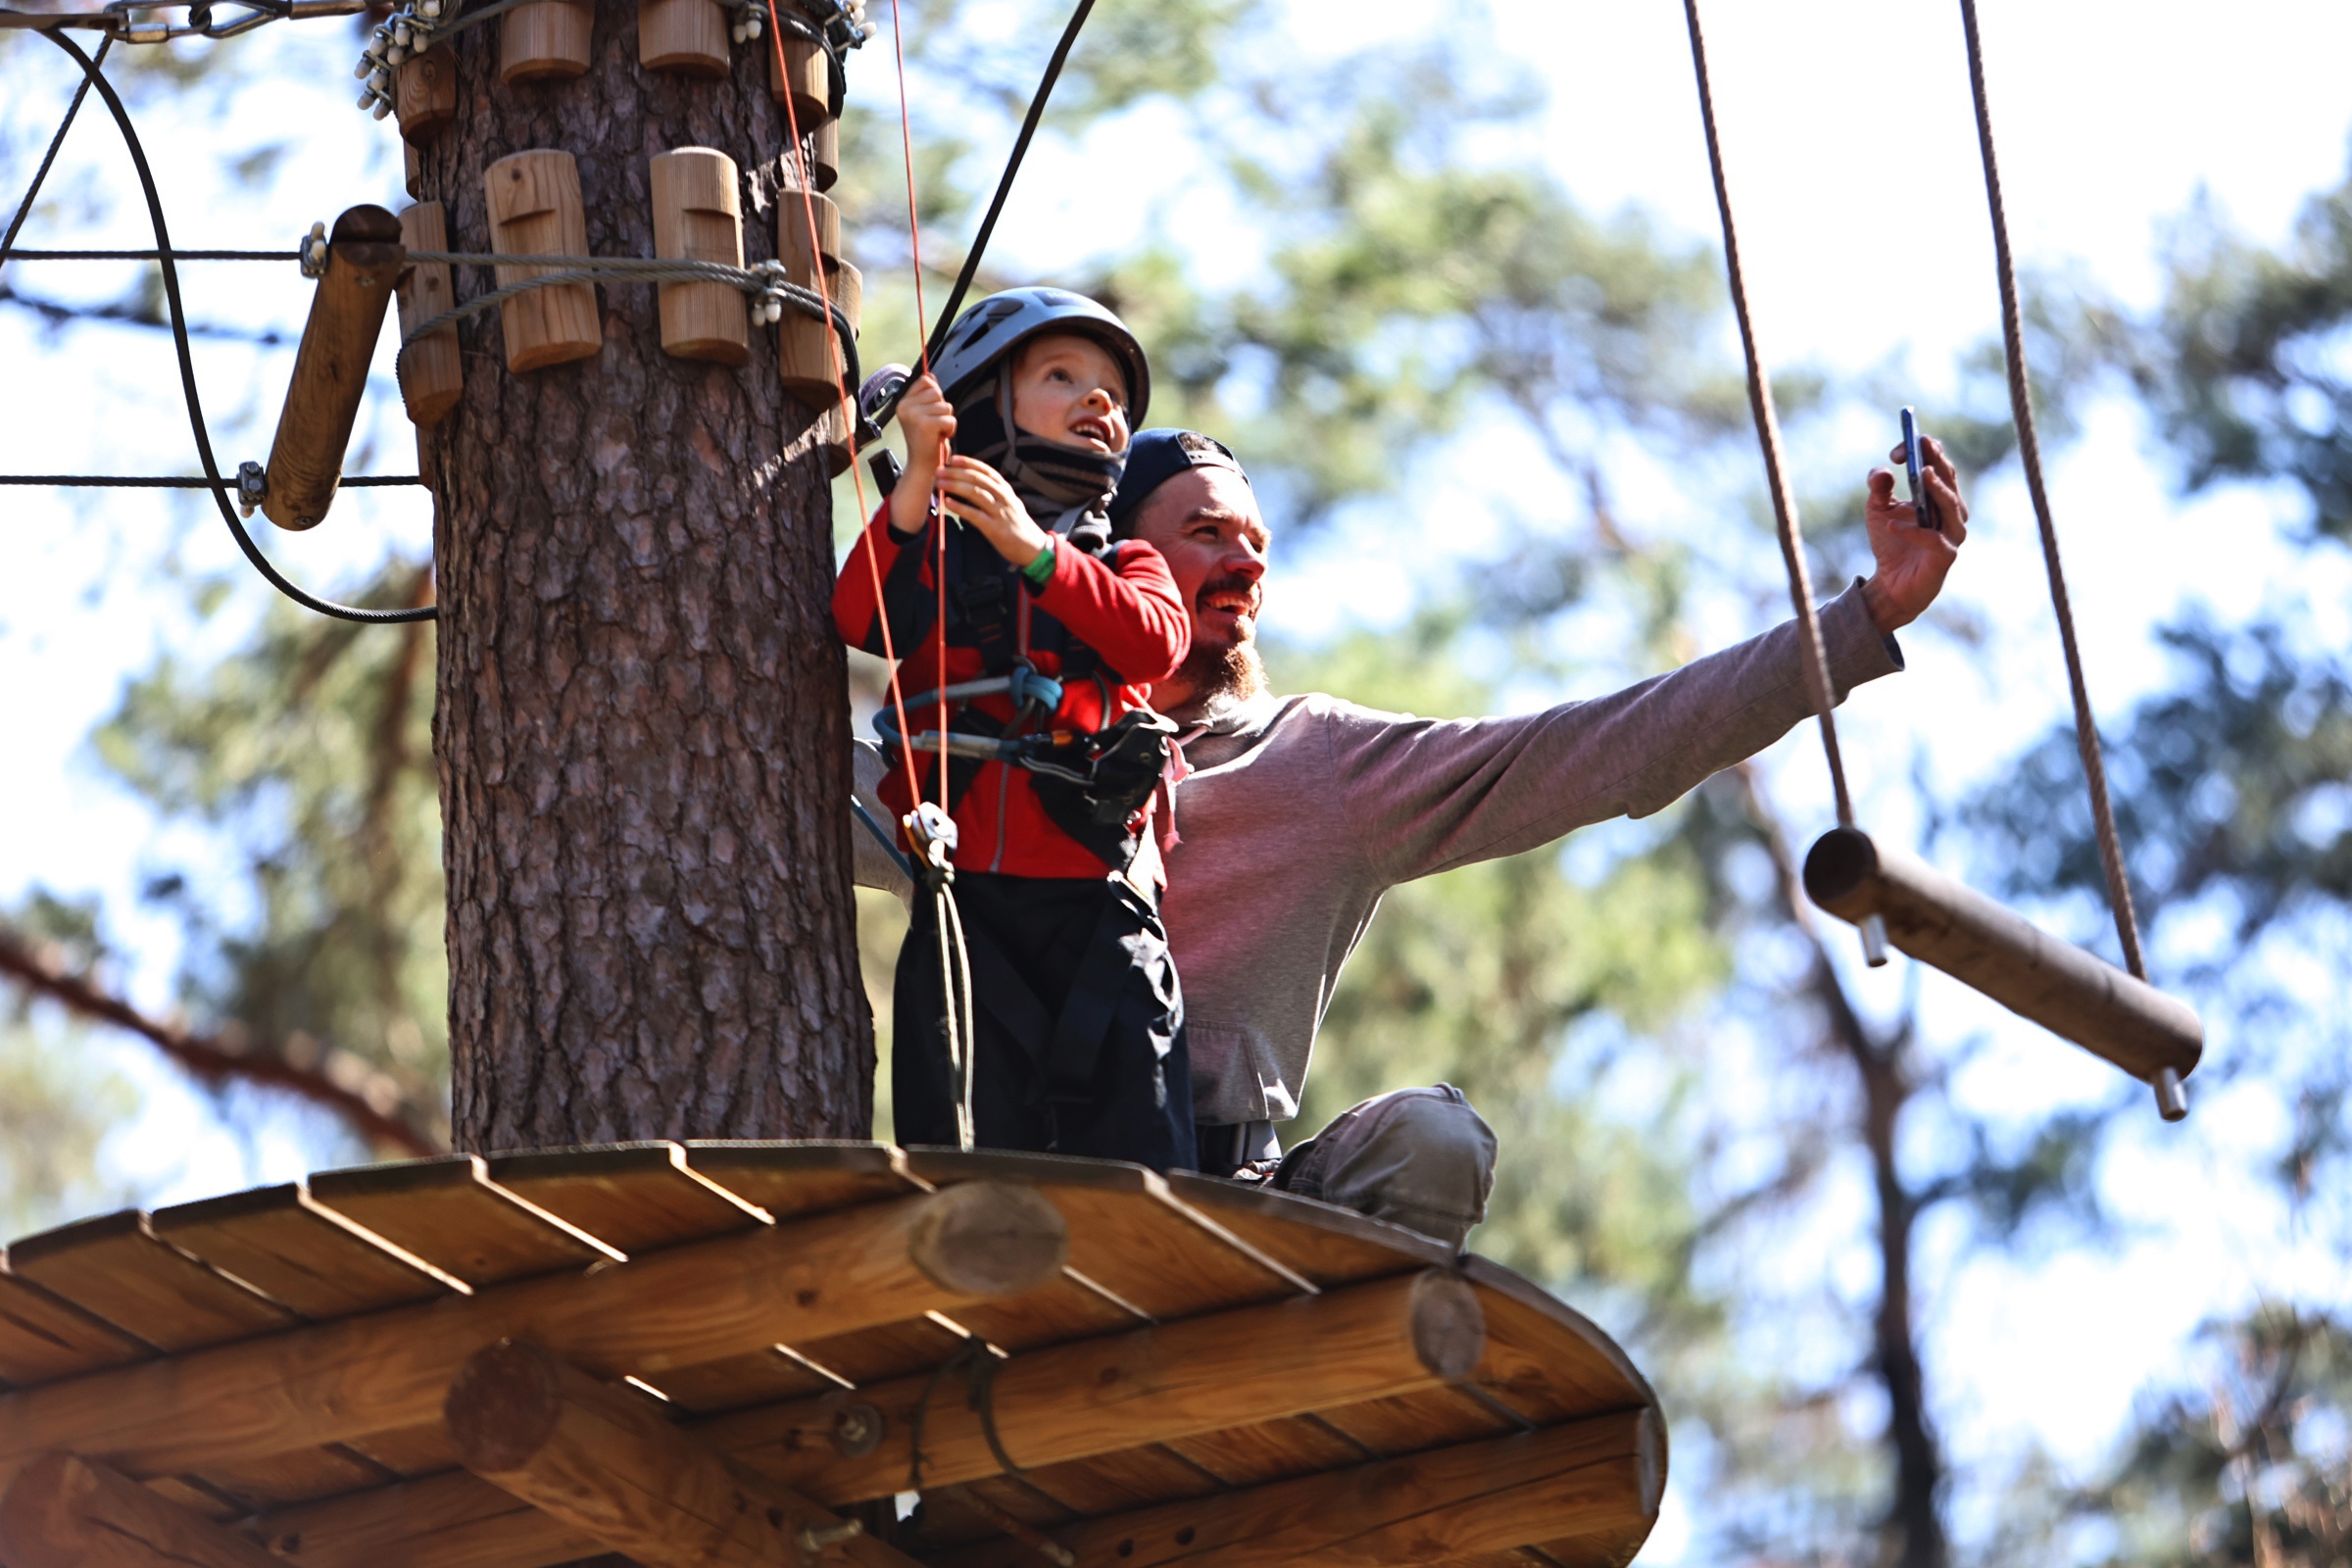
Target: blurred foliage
56, 1099
303, 762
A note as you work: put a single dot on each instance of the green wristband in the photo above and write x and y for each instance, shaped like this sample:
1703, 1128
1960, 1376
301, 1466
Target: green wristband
1040, 569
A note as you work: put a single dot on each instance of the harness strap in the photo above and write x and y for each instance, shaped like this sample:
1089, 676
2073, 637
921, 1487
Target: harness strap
1123, 939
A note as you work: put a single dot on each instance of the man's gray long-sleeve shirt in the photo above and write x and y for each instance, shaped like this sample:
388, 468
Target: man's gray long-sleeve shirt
1300, 811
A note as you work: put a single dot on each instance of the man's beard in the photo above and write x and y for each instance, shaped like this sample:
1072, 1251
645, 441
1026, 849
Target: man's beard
1218, 676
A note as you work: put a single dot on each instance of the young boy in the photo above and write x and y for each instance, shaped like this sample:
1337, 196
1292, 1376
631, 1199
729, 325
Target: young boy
1053, 636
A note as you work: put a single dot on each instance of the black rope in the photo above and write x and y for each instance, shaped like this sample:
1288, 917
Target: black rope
187, 368
157, 481
995, 203
24, 207
979, 1363
9, 255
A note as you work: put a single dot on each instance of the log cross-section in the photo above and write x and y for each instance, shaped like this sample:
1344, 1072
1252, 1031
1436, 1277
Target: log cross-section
602, 1460
689, 1305
65, 1512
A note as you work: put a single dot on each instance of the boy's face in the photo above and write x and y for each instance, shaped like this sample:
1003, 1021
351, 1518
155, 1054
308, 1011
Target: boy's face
1069, 390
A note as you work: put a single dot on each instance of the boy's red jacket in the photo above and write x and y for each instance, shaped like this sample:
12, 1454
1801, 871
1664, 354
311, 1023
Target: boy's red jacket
1128, 613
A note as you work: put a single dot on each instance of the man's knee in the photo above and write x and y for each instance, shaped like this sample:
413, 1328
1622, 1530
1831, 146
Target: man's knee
1419, 1157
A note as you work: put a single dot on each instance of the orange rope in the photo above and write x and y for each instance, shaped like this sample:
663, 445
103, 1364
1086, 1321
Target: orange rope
849, 411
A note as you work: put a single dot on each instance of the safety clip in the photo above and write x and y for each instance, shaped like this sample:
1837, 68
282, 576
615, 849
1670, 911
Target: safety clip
932, 832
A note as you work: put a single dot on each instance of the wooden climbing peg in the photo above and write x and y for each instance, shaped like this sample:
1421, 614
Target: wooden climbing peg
547, 40
536, 210
792, 212
412, 168
698, 216
431, 378
425, 94
363, 258
806, 77
687, 37
824, 153
804, 353
1989, 949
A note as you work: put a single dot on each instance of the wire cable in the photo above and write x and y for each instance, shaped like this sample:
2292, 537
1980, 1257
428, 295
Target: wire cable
157, 481
1768, 435
24, 207
9, 254
187, 368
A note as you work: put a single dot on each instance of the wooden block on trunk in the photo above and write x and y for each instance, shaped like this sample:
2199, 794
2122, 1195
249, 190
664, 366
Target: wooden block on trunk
809, 362
114, 1268
806, 78
793, 210
824, 152
536, 210
65, 1512
425, 94
432, 376
547, 40
412, 168
698, 216
686, 37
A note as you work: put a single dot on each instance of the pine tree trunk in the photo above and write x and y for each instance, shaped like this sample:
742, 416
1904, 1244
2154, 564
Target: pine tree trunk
641, 722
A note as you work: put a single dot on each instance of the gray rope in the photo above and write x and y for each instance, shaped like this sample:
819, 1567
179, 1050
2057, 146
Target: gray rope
1768, 434
2029, 452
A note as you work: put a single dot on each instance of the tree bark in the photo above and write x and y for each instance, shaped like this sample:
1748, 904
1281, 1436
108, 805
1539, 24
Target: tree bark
641, 719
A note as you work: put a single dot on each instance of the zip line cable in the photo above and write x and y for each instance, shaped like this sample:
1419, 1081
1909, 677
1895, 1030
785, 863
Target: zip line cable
187, 368
1768, 435
24, 207
151, 481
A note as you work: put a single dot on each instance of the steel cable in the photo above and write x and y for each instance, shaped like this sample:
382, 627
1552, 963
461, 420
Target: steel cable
40, 174
1768, 434
187, 368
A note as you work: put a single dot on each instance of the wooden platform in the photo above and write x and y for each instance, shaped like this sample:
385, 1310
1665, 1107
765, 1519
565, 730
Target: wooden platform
1184, 1372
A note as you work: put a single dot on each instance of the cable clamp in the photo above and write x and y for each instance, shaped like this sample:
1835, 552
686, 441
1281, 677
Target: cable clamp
253, 487
766, 288
312, 250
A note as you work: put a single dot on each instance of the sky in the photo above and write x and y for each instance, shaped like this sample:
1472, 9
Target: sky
1850, 145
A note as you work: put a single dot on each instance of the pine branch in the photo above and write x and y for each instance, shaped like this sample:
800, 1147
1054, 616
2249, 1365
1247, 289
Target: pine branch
40, 968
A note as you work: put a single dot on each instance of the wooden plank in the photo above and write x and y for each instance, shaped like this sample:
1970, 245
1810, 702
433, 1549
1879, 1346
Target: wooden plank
1271, 1451
788, 1179
1327, 1244
1113, 1483
1128, 1234
418, 1450
887, 1350
43, 1338
605, 1461
631, 1196
1544, 1359
313, 1260
1591, 1478
1125, 1391
114, 1268
759, 1377
452, 1520
1411, 1422
1067, 1309
389, 1370
450, 1213
1054, 1406
65, 1512
296, 1475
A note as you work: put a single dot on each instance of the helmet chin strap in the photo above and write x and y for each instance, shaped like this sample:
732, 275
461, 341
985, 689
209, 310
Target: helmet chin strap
1085, 523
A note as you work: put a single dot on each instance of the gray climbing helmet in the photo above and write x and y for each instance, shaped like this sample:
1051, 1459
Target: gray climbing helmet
985, 335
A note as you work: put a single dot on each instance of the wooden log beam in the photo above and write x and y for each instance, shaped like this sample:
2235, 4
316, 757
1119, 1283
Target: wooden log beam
1362, 1341
1589, 1477
336, 1382
363, 258
603, 1460
1989, 949
65, 1512
1369, 1342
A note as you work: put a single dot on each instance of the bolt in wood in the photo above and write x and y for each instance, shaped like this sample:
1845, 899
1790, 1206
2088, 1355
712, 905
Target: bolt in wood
1989, 949
698, 216
536, 210
330, 368
806, 77
686, 37
547, 40
431, 375
425, 94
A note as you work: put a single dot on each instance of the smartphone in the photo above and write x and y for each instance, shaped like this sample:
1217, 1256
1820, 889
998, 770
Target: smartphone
1919, 490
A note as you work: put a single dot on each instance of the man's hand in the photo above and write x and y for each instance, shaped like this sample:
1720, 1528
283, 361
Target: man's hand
1912, 561
982, 497
928, 419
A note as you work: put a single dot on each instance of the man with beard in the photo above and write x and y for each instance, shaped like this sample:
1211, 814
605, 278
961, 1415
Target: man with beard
1297, 812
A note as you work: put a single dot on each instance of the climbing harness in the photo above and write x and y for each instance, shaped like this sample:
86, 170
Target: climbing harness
2117, 1015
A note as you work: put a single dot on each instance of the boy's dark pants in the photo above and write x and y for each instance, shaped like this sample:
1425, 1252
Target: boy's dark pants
1081, 1025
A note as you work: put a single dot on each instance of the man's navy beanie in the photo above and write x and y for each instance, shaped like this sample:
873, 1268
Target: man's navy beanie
1153, 457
